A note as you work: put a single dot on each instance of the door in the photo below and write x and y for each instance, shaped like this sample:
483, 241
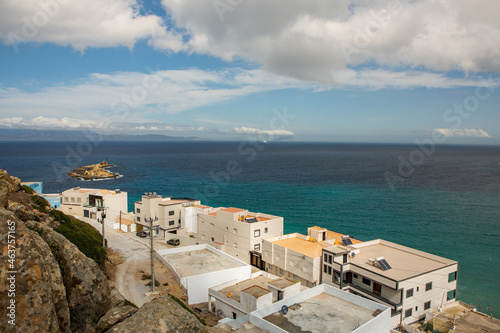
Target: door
377, 288
348, 277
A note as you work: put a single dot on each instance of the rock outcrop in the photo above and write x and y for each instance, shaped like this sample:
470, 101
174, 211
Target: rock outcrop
40, 296
88, 291
161, 315
115, 316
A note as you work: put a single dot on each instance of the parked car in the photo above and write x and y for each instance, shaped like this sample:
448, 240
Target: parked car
174, 241
142, 234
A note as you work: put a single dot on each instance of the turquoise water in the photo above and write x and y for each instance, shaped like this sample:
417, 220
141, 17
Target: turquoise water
450, 206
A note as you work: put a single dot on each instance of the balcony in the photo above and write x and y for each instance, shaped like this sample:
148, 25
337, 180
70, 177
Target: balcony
362, 291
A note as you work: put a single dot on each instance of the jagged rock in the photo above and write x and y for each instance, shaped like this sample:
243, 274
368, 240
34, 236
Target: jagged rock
114, 316
117, 298
41, 304
88, 292
7, 184
163, 315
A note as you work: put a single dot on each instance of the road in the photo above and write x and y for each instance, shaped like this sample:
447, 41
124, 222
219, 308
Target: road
136, 258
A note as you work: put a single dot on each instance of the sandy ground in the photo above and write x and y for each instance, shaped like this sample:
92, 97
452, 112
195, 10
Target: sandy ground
133, 261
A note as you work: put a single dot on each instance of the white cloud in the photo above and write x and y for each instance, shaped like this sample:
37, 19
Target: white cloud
83, 24
42, 122
449, 132
309, 40
252, 130
132, 96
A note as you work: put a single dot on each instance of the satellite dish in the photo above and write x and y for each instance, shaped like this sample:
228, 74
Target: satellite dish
284, 309
353, 254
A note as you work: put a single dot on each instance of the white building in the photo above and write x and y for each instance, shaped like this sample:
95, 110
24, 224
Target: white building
322, 309
200, 267
170, 214
91, 203
237, 299
410, 282
238, 232
298, 257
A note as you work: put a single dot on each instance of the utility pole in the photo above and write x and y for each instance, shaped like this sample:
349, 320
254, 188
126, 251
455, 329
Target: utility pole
150, 220
103, 216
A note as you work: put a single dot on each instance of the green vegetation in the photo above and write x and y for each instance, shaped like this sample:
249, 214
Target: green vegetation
27, 189
181, 303
145, 276
40, 203
83, 235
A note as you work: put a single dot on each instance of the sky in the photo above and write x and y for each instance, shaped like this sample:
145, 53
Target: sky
399, 71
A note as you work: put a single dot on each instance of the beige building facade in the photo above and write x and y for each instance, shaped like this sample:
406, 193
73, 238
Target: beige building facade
238, 232
169, 213
91, 203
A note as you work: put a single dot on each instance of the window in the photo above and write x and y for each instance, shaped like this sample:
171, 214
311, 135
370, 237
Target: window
235, 231
325, 268
330, 270
270, 267
367, 282
451, 295
235, 245
79, 200
452, 276
72, 199
417, 289
408, 313
409, 293
325, 257
355, 275
330, 259
256, 247
427, 305
138, 219
170, 213
282, 271
256, 233
428, 286
171, 222
416, 308
66, 199
234, 315
213, 239
345, 259
265, 230
138, 210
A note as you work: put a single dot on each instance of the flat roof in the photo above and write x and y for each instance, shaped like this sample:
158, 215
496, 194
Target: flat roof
405, 261
256, 291
338, 237
321, 313
309, 248
197, 262
232, 210
317, 228
235, 289
282, 283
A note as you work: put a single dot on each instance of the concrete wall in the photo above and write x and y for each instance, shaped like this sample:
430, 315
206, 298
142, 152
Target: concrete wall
251, 303
379, 324
53, 199
437, 295
197, 285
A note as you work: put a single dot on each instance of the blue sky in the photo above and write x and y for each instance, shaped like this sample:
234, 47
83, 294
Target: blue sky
345, 71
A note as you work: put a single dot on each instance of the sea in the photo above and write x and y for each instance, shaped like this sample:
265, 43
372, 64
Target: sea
444, 200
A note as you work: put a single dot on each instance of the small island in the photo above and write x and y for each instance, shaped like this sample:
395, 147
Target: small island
94, 172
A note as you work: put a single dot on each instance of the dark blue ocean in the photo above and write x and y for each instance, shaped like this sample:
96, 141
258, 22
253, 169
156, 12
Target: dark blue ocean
443, 200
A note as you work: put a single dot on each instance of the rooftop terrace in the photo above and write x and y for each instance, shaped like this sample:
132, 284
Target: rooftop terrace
322, 313
197, 262
406, 262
